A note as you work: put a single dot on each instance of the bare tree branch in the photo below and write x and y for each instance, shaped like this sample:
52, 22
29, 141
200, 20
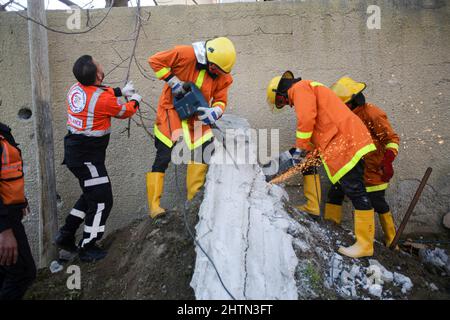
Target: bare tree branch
69, 3
65, 32
3, 6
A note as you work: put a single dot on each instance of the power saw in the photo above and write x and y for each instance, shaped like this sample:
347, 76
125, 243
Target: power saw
187, 104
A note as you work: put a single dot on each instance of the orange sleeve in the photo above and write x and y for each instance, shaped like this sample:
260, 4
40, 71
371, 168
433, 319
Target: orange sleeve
111, 106
163, 62
306, 111
384, 131
220, 96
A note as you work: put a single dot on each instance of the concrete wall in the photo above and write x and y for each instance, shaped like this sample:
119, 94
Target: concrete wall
406, 65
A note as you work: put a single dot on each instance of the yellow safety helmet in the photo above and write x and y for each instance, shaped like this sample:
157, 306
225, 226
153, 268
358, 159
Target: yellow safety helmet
273, 87
222, 53
345, 88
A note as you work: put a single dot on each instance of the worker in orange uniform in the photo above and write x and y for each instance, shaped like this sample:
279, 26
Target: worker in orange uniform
90, 107
207, 64
17, 267
378, 164
324, 123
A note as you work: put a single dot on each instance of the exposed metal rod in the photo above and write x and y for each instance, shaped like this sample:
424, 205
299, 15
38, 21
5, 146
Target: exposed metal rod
411, 207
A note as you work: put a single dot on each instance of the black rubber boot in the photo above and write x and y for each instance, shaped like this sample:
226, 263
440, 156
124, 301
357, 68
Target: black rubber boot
91, 253
66, 241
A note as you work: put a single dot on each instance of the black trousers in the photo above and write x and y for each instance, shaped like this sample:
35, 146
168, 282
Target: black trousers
93, 206
378, 201
352, 186
16, 279
164, 153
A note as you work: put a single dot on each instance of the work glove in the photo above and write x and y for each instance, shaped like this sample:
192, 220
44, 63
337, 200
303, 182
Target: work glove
178, 87
128, 90
297, 154
136, 97
209, 115
386, 165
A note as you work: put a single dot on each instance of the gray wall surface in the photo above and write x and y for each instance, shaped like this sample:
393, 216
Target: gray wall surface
406, 65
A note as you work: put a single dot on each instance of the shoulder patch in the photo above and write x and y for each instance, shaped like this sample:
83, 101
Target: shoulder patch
76, 99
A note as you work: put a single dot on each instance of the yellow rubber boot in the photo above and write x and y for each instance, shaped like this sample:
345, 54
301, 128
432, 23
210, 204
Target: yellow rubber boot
364, 232
312, 192
388, 226
155, 186
195, 178
333, 212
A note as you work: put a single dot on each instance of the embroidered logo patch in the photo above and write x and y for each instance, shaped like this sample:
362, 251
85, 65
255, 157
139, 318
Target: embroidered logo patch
76, 99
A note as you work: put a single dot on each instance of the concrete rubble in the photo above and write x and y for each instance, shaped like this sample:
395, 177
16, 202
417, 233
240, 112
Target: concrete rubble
264, 249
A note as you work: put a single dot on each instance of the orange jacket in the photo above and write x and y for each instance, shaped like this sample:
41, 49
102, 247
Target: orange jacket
325, 123
12, 189
90, 108
181, 61
384, 137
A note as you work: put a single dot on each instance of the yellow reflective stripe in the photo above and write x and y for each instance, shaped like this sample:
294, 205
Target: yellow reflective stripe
162, 137
379, 187
161, 73
349, 166
316, 84
200, 78
304, 135
187, 136
392, 145
218, 103
207, 136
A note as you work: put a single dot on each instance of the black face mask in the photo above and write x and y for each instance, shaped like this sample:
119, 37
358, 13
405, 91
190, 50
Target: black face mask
357, 100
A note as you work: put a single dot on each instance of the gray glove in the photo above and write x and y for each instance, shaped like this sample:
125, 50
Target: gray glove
177, 86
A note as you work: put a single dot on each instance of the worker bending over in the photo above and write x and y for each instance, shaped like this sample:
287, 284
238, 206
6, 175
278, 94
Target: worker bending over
324, 123
378, 163
90, 107
207, 64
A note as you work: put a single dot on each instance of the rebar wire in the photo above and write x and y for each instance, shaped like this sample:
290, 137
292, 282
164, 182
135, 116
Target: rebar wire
186, 224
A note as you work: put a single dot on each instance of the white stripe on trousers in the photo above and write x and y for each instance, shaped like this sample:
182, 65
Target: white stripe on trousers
92, 169
96, 227
78, 213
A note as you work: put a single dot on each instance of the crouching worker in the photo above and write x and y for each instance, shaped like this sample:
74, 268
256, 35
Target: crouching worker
378, 164
17, 268
90, 107
324, 123
207, 64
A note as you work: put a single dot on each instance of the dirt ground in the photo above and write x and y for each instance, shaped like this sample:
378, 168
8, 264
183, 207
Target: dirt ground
146, 260
406, 261
155, 260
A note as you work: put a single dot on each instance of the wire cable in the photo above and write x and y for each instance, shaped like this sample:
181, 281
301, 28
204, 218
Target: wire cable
194, 238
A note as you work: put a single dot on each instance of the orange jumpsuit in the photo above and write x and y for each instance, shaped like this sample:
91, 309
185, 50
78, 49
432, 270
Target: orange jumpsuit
182, 62
325, 123
384, 138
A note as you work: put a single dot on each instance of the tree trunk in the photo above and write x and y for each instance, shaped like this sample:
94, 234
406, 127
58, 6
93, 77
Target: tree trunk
117, 3
40, 94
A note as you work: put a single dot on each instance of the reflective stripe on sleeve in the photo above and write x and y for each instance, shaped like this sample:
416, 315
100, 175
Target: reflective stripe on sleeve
392, 145
122, 111
304, 135
162, 72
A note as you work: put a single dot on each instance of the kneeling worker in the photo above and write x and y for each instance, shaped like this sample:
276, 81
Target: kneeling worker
378, 164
